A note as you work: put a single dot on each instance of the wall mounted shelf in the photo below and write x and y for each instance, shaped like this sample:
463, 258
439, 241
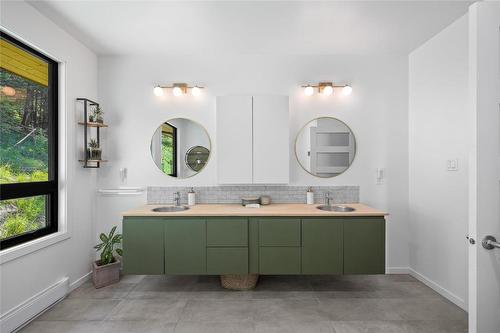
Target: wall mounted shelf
87, 105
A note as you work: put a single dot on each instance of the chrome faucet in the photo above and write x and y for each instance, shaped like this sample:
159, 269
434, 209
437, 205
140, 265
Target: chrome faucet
177, 198
328, 198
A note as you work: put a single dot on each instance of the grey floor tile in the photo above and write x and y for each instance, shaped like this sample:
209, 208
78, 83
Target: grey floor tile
336, 283
140, 326
283, 283
131, 278
294, 326
438, 326
372, 327
361, 309
430, 309
80, 309
167, 310
195, 327
298, 295
62, 327
208, 311
114, 291
283, 310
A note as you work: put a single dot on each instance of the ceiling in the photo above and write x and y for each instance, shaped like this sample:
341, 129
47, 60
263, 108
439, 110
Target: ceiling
258, 27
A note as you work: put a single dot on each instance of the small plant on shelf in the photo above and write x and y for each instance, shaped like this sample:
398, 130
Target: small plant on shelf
106, 270
94, 152
97, 115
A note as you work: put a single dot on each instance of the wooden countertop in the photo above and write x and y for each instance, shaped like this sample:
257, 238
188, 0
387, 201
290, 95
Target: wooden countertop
269, 210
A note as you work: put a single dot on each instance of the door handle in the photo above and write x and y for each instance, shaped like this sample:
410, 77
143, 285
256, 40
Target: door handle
490, 242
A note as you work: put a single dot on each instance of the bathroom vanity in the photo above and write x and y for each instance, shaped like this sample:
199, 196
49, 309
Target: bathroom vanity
276, 239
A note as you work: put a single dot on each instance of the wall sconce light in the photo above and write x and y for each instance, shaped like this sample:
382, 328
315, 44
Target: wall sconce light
326, 88
178, 89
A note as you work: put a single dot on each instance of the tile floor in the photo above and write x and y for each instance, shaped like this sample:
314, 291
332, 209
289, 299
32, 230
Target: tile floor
334, 304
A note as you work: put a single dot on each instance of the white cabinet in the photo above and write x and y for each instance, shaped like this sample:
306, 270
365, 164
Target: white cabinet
234, 140
252, 140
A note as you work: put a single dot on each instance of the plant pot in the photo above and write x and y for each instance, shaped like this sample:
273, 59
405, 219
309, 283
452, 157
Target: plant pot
105, 275
94, 153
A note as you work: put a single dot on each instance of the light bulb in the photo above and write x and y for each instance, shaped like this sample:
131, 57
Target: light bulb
308, 91
8, 91
177, 91
195, 91
347, 90
327, 90
158, 91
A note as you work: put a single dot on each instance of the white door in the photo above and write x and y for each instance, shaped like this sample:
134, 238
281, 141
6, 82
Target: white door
234, 139
271, 143
484, 205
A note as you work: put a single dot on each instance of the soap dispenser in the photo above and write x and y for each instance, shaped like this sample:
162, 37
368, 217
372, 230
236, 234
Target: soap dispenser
310, 196
191, 197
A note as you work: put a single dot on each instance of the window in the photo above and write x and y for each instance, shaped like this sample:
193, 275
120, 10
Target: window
28, 143
169, 149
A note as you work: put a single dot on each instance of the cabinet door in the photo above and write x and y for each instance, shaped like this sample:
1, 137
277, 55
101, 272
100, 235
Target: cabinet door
271, 143
185, 246
143, 246
234, 140
322, 246
364, 245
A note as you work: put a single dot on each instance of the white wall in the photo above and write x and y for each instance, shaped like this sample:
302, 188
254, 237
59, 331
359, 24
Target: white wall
438, 199
376, 111
28, 275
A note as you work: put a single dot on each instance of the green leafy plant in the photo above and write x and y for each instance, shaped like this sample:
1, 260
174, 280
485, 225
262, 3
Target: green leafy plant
107, 247
96, 115
93, 143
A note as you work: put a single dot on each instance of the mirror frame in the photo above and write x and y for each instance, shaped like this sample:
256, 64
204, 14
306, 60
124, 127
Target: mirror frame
209, 155
304, 126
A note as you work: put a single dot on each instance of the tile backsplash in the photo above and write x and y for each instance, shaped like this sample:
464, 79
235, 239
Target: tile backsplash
158, 195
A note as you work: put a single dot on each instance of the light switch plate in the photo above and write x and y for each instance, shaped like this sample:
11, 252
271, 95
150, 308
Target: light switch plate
452, 165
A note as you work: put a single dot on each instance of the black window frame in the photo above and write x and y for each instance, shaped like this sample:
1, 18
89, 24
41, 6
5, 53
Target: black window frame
174, 149
49, 188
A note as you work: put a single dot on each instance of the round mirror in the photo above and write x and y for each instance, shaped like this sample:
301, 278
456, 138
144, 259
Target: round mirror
180, 147
325, 147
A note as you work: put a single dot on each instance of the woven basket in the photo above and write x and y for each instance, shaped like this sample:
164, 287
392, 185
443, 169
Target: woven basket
239, 281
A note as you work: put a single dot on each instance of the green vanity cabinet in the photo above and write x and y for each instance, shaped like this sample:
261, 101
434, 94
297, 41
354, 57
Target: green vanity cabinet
322, 246
143, 245
364, 245
185, 246
259, 245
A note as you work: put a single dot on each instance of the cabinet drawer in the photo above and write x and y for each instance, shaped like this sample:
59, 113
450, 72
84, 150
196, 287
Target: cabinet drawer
227, 260
227, 231
279, 260
279, 232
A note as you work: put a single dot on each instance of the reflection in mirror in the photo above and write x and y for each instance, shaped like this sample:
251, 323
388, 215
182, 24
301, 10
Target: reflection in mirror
180, 147
325, 147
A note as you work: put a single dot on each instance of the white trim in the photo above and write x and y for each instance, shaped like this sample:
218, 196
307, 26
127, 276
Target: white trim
440, 290
397, 270
32, 246
33, 306
80, 281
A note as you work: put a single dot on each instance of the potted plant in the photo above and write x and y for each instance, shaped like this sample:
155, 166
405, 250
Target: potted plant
96, 115
94, 152
106, 270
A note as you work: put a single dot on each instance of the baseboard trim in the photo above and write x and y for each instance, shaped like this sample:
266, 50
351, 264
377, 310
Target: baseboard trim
440, 290
80, 281
397, 270
32, 307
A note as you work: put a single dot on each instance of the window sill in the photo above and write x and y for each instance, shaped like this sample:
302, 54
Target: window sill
32, 246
